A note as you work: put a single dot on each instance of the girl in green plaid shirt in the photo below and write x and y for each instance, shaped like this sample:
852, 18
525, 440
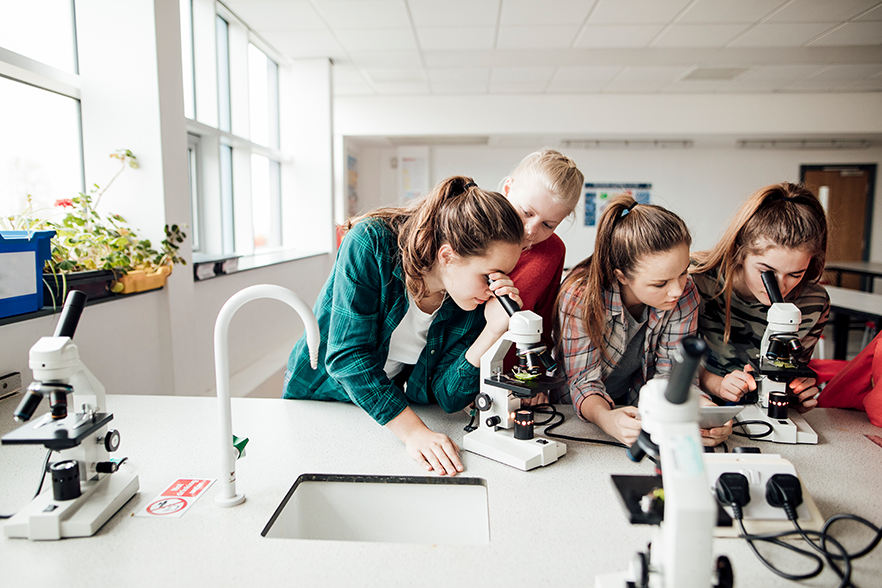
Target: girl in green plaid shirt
407, 312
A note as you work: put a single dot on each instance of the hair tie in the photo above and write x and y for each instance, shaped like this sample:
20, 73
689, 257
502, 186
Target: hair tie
798, 199
470, 185
627, 210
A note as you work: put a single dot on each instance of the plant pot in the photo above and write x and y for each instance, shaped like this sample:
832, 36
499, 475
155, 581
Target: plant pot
142, 280
95, 284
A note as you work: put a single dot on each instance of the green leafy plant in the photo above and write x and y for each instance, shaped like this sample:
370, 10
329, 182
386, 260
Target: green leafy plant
86, 240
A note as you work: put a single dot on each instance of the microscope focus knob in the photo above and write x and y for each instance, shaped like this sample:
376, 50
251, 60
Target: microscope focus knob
493, 421
111, 440
483, 402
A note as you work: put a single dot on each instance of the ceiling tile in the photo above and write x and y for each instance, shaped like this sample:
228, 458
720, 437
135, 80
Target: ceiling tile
835, 11
454, 13
517, 88
692, 35
459, 81
727, 11
616, 36
377, 39
546, 12
636, 11
404, 89
781, 35
694, 87
873, 15
360, 14
387, 59
279, 15
592, 73
855, 33
772, 78
348, 81
445, 38
871, 85
396, 75
537, 37
652, 73
521, 74
298, 44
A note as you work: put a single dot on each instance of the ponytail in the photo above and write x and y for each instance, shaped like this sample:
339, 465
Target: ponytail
626, 234
456, 212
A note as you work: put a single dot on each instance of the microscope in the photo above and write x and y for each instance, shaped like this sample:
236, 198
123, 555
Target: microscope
779, 364
86, 488
680, 555
505, 430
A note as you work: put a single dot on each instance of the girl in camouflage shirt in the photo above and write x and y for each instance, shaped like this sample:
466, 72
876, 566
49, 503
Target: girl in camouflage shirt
781, 228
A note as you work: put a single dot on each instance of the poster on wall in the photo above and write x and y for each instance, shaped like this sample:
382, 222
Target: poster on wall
598, 195
351, 185
413, 172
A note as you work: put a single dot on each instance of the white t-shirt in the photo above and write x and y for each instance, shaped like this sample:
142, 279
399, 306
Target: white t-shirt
408, 339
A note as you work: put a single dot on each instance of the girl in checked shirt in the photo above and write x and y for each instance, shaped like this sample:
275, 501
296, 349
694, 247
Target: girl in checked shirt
622, 312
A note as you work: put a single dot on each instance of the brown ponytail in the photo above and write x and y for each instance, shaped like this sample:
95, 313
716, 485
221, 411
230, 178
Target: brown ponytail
780, 215
627, 233
455, 212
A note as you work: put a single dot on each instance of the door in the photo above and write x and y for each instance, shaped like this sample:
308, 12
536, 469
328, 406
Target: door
846, 193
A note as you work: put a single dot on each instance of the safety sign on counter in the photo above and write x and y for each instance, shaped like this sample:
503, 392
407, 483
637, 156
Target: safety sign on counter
176, 499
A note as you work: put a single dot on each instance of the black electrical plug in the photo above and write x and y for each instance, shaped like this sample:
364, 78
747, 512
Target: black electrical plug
733, 490
784, 491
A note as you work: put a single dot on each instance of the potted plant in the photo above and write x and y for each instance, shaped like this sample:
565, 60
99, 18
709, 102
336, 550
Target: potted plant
101, 252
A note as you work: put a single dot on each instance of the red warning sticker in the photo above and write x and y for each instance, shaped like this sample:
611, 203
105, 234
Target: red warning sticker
176, 499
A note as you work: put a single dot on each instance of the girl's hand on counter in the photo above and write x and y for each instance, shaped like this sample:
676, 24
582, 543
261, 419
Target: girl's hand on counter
435, 452
622, 423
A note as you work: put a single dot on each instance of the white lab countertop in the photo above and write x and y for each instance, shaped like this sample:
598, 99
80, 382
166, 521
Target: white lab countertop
554, 526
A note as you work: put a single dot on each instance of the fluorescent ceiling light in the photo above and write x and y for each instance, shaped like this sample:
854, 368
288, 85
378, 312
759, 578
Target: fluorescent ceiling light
804, 144
628, 144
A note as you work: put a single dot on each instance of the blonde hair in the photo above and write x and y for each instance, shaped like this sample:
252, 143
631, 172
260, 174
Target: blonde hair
554, 171
626, 234
455, 212
780, 215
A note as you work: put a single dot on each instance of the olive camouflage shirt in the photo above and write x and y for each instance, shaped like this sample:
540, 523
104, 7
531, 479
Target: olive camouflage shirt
748, 323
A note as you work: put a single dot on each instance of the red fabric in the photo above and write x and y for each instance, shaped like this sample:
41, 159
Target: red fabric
827, 368
537, 277
859, 384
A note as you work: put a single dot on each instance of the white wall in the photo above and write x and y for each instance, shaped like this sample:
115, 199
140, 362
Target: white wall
704, 184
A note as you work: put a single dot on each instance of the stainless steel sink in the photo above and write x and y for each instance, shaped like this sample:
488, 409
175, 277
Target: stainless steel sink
388, 509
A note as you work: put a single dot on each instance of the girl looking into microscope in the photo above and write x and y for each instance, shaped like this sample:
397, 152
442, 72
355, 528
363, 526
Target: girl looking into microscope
407, 313
623, 310
781, 228
544, 189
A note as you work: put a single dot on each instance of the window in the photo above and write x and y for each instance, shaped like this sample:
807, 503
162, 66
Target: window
41, 150
237, 200
188, 59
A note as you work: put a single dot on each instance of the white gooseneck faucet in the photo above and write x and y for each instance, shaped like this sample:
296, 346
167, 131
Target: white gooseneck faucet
227, 479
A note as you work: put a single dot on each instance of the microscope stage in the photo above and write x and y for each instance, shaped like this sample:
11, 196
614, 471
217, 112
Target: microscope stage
56, 435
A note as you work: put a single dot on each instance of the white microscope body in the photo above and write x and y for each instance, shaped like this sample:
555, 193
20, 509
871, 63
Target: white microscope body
774, 376
81, 437
681, 553
498, 405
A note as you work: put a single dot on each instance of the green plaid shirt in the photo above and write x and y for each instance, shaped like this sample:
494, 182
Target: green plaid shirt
360, 305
